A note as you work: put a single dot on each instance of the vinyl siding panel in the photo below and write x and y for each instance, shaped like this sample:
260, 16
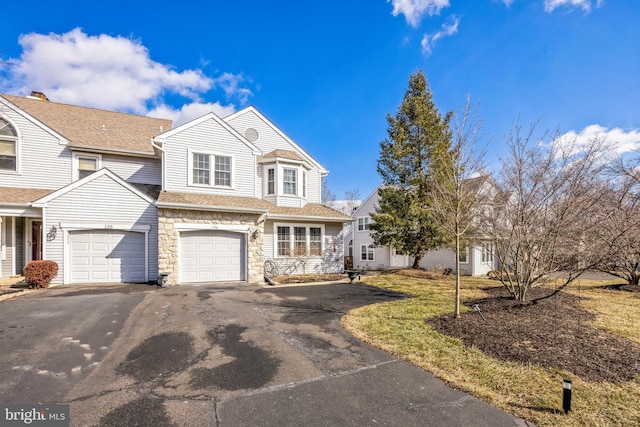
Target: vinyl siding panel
209, 137
45, 163
134, 169
100, 202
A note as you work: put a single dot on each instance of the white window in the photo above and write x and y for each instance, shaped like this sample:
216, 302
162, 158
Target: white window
289, 182
271, 181
364, 223
8, 147
222, 171
284, 241
315, 241
304, 184
366, 253
487, 253
463, 256
201, 169
298, 240
85, 164
204, 166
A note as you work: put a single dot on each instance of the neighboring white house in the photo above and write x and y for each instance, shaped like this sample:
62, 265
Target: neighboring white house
117, 197
477, 258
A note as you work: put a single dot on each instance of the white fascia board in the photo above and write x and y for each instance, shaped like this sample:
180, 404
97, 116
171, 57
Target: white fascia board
162, 138
61, 139
309, 218
222, 227
42, 202
251, 108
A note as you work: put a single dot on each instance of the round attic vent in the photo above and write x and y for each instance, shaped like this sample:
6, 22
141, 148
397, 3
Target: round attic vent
251, 134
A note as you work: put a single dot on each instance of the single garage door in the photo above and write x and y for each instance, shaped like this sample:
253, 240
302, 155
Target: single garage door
211, 256
107, 256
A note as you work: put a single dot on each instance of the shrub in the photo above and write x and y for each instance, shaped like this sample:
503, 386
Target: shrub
38, 274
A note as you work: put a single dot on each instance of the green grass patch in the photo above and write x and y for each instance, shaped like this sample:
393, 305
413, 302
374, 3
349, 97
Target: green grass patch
530, 392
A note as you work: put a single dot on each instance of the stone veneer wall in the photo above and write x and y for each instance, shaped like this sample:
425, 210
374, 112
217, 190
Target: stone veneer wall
168, 238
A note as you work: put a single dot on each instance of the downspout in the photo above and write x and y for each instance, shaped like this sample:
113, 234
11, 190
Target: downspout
162, 166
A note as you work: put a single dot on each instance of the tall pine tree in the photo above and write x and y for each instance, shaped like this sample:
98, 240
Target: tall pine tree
418, 143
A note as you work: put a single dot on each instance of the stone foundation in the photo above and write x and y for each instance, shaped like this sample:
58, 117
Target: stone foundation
168, 238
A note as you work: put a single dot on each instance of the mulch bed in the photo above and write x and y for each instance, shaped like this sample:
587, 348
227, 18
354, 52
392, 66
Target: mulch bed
551, 332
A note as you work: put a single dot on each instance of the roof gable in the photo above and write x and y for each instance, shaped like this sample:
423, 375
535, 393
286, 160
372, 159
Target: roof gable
102, 172
253, 110
162, 138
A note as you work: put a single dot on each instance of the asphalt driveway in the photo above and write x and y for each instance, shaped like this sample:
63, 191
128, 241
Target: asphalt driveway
217, 355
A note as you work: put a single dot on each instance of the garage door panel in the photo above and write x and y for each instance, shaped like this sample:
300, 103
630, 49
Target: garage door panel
211, 255
107, 256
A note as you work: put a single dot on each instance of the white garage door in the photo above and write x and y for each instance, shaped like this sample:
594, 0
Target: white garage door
211, 256
107, 256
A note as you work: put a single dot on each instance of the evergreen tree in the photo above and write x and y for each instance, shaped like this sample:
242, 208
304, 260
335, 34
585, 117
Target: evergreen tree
418, 143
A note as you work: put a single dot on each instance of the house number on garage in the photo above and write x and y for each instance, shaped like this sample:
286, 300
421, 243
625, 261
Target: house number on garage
108, 226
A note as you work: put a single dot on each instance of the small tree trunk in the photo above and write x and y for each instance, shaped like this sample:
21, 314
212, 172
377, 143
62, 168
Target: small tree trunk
416, 262
457, 310
635, 278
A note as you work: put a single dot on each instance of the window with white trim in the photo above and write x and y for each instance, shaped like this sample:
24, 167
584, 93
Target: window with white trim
315, 241
8, 147
85, 164
289, 181
487, 253
364, 223
298, 240
463, 256
284, 241
205, 166
366, 253
271, 181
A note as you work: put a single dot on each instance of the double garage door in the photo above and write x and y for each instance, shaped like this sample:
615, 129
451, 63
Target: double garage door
107, 256
212, 256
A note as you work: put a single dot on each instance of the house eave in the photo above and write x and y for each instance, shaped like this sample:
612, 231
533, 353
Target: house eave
188, 206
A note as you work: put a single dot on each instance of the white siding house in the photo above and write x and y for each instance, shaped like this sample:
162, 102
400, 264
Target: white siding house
476, 260
240, 185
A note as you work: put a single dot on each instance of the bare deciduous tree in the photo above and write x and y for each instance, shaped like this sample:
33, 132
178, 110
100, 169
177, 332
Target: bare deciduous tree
619, 230
459, 189
548, 219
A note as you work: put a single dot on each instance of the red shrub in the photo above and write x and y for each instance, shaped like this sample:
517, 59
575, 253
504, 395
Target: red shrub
38, 274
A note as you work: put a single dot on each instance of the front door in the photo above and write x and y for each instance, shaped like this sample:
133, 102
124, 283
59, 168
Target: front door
36, 240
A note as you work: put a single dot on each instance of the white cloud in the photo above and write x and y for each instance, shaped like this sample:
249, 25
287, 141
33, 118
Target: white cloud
585, 5
114, 73
618, 139
414, 10
447, 29
191, 111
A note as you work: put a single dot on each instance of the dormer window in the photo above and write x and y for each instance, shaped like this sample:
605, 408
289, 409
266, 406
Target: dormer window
210, 170
8, 147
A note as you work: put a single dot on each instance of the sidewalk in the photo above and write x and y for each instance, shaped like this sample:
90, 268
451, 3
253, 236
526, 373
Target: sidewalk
11, 287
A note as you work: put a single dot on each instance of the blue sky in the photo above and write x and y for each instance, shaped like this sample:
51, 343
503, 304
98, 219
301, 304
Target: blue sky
328, 72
